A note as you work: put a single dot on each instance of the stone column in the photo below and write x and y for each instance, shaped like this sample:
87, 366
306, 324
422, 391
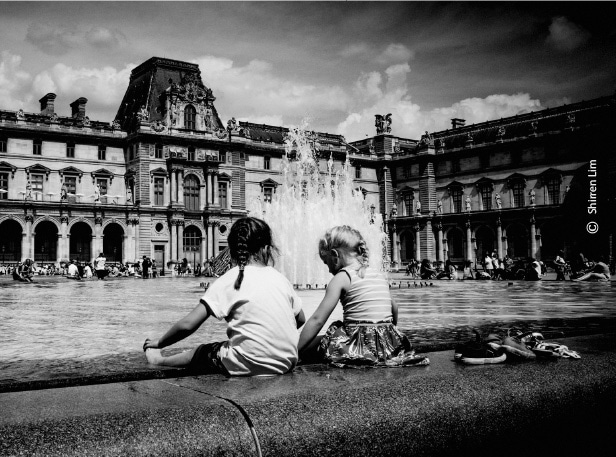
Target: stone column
417, 243
59, 248
210, 239
208, 190
203, 250
172, 187
63, 243
180, 239
533, 238
98, 237
439, 243
499, 238
215, 239
173, 240
125, 248
469, 241
27, 246
136, 238
180, 187
215, 189
395, 257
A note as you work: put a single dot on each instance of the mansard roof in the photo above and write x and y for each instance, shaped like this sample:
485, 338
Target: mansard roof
151, 81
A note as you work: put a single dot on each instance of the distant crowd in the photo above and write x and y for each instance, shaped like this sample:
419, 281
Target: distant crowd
491, 267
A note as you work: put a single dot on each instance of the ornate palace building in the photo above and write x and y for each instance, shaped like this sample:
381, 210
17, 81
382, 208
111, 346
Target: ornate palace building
167, 178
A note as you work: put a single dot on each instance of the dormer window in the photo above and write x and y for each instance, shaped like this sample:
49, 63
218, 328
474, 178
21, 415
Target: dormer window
102, 152
37, 146
191, 153
190, 115
70, 150
3, 144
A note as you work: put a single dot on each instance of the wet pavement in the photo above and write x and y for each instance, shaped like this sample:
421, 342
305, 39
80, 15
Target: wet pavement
557, 407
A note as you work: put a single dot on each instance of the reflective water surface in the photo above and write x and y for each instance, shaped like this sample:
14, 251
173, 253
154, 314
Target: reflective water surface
58, 328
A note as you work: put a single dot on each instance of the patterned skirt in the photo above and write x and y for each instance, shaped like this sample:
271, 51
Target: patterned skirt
359, 344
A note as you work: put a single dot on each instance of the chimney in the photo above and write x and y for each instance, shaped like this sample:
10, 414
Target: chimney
456, 122
47, 104
79, 108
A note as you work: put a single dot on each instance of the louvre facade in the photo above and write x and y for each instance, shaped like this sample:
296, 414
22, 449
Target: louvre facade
168, 177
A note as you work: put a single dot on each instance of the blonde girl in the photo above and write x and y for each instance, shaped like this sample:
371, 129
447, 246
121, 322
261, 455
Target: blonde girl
368, 335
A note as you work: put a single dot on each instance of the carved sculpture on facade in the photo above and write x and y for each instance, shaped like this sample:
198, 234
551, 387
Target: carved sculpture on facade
143, 115
382, 123
97, 193
417, 206
497, 198
53, 117
232, 125
20, 115
500, 133
28, 195
531, 196
439, 207
158, 126
426, 140
63, 192
86, 121
533, 127
468, 203
115, 125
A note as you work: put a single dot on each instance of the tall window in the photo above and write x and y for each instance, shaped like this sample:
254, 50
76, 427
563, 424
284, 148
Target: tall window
37, 146
159, 191
37, 184
554, 190
222, 156
191, 153
358, 172
408, 204
266, 162
268, 192
190, 115
455, 165
70, 150
191, 193
3, 144
406, 171
71, 184
103, 183
4, 186
158, 151
486, 197
456, 200
102, 152
192, 239
222, 194
518, 194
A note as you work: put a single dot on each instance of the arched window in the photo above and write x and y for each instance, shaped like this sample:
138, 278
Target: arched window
190, 114
191, 193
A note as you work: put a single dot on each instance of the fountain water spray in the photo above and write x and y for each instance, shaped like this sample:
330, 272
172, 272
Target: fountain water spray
312, 198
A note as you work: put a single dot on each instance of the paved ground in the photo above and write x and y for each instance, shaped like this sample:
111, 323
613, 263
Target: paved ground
542, 408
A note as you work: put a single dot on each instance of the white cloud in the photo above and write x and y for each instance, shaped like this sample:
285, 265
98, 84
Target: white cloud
354, 50
253, 92
103, 87
102, 37
565, 35
410, 121
395, 53
14, 83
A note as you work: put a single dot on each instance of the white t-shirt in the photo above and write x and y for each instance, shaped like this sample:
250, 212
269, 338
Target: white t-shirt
262, 331
73, 270
99, 263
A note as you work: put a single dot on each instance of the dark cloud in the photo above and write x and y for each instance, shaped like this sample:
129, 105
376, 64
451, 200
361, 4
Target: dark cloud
55, 41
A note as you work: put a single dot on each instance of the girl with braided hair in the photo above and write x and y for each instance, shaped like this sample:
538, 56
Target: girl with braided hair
262, 311
368, 335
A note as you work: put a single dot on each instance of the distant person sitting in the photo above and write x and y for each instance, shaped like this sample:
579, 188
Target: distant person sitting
600, 272
467, 272
99, 265
560, 265
533, 271
426, 271
24, 271
73, 271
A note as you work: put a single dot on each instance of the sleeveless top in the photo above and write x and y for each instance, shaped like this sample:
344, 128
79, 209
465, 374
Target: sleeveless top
368, 298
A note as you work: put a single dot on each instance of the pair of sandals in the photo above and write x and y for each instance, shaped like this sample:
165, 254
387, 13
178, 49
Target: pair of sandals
536, 343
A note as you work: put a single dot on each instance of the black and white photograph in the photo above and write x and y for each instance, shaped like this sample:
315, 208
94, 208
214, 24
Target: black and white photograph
307, 228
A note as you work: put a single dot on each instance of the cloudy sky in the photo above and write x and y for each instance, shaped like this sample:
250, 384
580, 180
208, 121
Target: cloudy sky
335, 64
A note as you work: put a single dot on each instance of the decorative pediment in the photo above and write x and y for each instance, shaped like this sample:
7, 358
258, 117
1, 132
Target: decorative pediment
72, 171
406, 190
516, 177
455, 185
269, 183
102, 173
485, 183
38, 169
7, 167
223, 176
158, 172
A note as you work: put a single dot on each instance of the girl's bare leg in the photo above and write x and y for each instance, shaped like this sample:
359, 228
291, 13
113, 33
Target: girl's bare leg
177, 360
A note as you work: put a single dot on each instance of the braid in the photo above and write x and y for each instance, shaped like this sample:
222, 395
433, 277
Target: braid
247, 238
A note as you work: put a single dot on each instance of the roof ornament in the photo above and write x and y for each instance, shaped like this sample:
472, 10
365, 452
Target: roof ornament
382, 123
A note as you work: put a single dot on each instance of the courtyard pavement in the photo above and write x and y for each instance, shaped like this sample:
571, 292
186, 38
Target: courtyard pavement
556, 407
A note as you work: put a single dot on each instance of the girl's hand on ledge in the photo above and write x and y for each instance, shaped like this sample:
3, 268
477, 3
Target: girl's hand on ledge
150, 344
